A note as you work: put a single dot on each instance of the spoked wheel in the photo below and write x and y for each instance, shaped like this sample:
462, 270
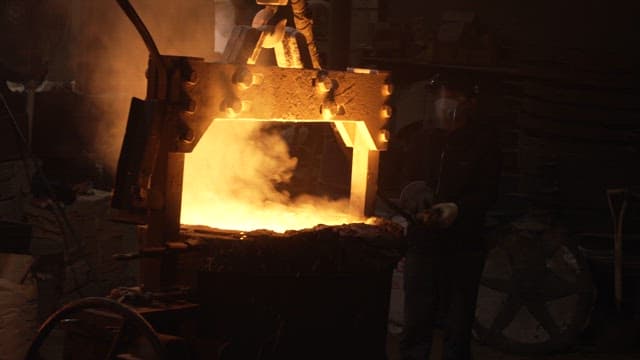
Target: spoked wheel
96, 328
535, 295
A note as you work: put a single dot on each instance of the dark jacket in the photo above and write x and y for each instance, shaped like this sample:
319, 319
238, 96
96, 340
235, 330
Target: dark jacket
461, 167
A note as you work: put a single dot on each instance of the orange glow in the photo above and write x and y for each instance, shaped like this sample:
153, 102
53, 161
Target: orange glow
326, 114
230, 182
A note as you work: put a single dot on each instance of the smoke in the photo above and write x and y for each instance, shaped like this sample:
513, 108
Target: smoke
232, 178
109, 59
225, 21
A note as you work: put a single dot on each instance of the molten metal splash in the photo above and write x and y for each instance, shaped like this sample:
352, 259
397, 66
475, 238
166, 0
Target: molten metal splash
230, 183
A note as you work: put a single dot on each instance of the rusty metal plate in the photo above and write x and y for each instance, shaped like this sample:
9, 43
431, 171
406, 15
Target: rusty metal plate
258, 93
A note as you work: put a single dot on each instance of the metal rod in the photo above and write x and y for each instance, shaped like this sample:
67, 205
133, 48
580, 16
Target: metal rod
617, 241
31, 99
131, 13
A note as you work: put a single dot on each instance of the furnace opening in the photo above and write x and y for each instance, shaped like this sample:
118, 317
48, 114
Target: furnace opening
236, 179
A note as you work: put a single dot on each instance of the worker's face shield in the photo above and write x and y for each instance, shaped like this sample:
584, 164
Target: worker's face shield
446, 107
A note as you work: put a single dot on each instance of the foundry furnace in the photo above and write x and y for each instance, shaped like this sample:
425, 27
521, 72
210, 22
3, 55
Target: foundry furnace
232, 291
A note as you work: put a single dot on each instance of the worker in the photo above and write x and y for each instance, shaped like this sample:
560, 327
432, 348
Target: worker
459, 158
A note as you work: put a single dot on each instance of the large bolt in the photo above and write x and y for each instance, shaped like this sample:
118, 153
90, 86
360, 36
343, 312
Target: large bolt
384, 136
190, 76
187, 136
257, 78
324, 86
232, 107
386, 111
324, 83
243, 78
329, 109
190, 106
387, 89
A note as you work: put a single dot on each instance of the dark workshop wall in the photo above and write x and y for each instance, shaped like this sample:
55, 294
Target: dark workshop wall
604, 31
569, 116
93, 44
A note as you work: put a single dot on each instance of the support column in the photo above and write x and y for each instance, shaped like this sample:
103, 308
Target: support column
364, 175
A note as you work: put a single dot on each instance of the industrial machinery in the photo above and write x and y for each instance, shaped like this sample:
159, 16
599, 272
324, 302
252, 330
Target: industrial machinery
320, 292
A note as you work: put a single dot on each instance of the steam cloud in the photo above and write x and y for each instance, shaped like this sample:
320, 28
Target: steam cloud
109, 58
231, 182
231, 179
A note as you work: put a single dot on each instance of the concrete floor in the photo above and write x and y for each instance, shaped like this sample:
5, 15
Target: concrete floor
483, 352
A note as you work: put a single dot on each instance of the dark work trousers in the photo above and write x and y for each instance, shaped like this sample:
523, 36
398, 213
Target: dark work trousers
441, 288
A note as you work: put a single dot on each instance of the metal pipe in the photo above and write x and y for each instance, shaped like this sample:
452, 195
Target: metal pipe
131, 13
30, 88
305, 26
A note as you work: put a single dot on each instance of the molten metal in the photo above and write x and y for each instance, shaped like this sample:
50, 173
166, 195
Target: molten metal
230, 183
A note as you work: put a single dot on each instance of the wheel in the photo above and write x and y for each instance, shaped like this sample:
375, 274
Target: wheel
96, 328
535, 294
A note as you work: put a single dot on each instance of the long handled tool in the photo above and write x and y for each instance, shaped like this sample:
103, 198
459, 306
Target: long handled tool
618, 218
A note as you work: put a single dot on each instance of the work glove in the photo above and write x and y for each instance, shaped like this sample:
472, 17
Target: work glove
442, 215
416, 197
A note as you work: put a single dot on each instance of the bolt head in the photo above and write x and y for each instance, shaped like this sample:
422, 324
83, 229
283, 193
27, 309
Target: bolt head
243, 78
387, 89
190, 106
190, 77
324, 85
187, 135
386, 111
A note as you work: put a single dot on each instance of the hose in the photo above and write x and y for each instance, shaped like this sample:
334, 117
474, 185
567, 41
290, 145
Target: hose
305, 26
